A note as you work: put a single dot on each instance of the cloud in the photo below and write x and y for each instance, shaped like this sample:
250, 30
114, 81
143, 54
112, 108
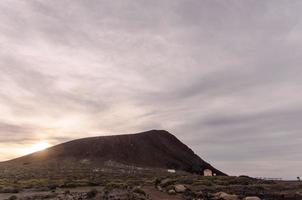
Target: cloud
16, 133
224, 77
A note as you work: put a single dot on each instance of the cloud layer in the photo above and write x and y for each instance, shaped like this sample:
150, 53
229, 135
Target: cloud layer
223, 76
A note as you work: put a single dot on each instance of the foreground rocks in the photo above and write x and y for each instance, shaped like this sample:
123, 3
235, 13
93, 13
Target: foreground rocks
140, 186
121, 194
225, 196
113, 194
171, 187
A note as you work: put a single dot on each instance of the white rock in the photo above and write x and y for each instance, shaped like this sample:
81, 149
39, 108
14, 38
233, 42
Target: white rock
171, 191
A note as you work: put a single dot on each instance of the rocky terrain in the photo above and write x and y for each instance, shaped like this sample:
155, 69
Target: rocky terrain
155, 185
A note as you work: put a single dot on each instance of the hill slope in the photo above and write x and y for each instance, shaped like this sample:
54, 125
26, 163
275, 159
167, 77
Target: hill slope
152, 149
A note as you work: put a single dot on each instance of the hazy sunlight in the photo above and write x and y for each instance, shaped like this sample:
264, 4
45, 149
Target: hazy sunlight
37, 147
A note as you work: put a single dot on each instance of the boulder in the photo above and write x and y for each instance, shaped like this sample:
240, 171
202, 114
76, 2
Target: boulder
251, 198
225, 196
180, 188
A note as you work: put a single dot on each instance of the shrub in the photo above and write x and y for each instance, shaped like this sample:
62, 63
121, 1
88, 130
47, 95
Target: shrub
69, 185
139, 191
52, 186
186, 181
167, 182
10, 190
92, 193
156, 181
170, 187
66, 192
116, 185
14, 197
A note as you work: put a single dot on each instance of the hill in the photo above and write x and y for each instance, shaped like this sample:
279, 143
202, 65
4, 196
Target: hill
151, 149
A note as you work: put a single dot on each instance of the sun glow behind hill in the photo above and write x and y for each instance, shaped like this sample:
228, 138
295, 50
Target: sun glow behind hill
39, 146
15, 150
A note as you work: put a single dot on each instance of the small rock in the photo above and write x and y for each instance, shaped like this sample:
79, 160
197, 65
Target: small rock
159, 188
251, 198
171, 192
180, 188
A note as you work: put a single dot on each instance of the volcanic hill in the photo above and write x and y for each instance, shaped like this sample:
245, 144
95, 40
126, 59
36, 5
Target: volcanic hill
151, 149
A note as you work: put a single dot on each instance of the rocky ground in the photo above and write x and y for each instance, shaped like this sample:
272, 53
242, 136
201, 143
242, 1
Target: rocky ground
144, 186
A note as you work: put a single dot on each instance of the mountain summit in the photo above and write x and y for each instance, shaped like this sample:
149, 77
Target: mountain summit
151, 149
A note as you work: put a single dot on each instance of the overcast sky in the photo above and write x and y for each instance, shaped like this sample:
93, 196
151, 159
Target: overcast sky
224, 76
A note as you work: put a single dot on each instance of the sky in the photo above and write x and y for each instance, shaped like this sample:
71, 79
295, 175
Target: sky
225, 77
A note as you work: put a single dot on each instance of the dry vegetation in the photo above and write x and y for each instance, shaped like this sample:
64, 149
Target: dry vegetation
134, 183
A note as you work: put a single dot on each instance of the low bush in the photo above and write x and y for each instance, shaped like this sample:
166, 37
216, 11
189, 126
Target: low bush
92, 193
14, 197
139, 191
116, 185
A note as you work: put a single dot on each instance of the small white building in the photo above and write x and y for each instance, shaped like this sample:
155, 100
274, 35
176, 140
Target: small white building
207, 172
171, 170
